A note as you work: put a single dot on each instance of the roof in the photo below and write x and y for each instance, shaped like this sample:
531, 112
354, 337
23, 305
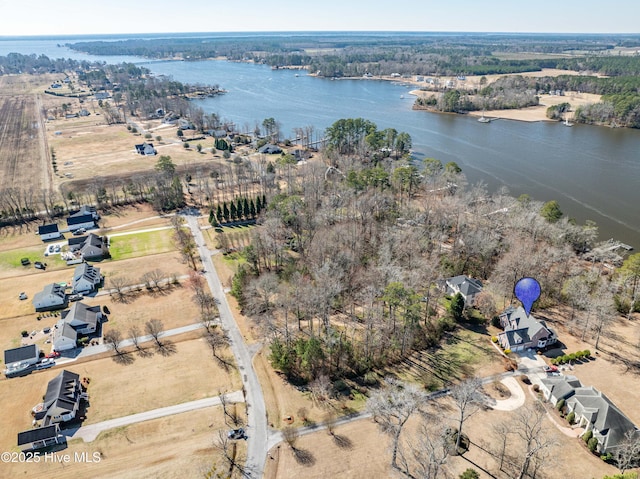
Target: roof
20, 354
467, 286
46, 229
52, 289
92, 242
270, 149
82, 313
523, 321
76, 240
62, 391
38, 434
561, 387
85, 270
80, 219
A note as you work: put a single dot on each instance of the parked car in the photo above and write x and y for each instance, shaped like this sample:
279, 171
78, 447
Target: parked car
39, 265
46, 363
75, 297
550, 369
236, 434
57, 248
79, 232
25, 261
22, 296
53, 354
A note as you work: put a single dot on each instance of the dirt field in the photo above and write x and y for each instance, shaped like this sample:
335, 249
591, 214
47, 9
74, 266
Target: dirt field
23, 153
173, 447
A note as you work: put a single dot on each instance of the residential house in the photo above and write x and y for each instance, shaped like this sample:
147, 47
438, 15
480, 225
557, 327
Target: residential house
49, 232
21, 358
270, 149
185, 124
64, 337
467, 287
102, 95
85, 218
82, 318
90, 248
62, 399
86, 278
523, 332
41, 437
592, 409
146, 149
51, 297
84, 112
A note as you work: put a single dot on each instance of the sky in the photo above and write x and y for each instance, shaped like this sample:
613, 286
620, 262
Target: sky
75, 17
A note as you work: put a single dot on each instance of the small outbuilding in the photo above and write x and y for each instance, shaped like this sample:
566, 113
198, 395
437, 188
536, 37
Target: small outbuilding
270, 149
49, 232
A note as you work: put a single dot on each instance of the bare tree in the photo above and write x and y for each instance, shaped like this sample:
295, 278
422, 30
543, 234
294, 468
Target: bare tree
533, 441
426, 458
113, 338
118, 283
154, 328
229, 411
330, 421
392, 407
468, 400
627, 453
227, 448
134, 332
290, 435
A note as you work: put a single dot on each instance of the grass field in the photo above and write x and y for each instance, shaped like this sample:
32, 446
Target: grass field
141, 244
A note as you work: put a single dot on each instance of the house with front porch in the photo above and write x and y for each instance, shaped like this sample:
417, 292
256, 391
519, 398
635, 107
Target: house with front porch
86, 279
522, 331
62, 399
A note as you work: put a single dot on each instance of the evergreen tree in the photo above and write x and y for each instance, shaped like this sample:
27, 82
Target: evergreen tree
219, 213
258, 205
245, 208
211, 216
239, 208
234, 212
456, 308
264, 201
252, 209
225, 212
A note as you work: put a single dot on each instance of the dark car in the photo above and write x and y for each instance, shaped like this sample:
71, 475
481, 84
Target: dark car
236, 434
39, 265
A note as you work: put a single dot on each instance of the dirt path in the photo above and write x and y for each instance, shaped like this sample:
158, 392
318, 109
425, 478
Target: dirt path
45, 159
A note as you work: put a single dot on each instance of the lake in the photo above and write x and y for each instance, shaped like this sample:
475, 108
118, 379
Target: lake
593, 172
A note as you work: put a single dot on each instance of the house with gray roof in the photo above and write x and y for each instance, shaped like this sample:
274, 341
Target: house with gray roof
522, 331
467, 287
85, 217
41, 437
51, 297
86, 278
270, 149
62, 399
146, 149
64, 337
90, 248
593, 411
84, 319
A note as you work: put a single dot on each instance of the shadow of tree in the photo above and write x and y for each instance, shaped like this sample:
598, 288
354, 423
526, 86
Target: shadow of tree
166, 348
124, 358
304, 457
342, 442
144, 352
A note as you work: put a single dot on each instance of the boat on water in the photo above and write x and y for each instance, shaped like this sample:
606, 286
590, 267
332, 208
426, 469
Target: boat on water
484, 119
567, 122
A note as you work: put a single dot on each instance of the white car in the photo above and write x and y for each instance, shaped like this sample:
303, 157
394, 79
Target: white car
22, 296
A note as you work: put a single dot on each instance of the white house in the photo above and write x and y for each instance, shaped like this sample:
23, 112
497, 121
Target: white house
64, 336
52, 296
86, 278
49, 232
146, 149
85, 218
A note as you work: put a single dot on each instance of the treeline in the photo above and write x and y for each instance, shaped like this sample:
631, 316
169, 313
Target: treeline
242, 209
15, 63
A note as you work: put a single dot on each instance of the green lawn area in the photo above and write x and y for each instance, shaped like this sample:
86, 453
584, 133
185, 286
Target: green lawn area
11, 258
141, 244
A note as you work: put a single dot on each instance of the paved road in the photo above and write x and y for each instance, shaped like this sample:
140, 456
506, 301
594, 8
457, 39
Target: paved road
90, 432
257, 430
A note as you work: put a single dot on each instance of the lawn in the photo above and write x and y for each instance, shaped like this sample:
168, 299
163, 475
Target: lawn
141, 244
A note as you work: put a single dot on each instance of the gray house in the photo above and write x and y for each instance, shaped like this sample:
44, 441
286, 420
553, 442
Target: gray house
84, 319
146, 149
85, 217
523, 332
52, 297
41, 437
64, 337
29, 354
593, 410
467, 287
86, 278
270, 149
62, 399
90, 248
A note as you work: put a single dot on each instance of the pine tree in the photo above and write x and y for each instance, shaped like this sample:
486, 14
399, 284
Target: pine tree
252, 209
258, 205
225, 212
211, 216
234, 212
264, 201
239, 208
245, 208
219, 213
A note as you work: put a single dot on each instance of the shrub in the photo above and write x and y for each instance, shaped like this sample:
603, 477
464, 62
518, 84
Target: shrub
507, 351
134, 130
495, 322
571, 417
587, 436
587, 353
560, 405
158, 138
129, 127
592, 444
148, 136
470, 473
536, 387
525, 379
494, 339
24, 333
226, 155
185, 145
